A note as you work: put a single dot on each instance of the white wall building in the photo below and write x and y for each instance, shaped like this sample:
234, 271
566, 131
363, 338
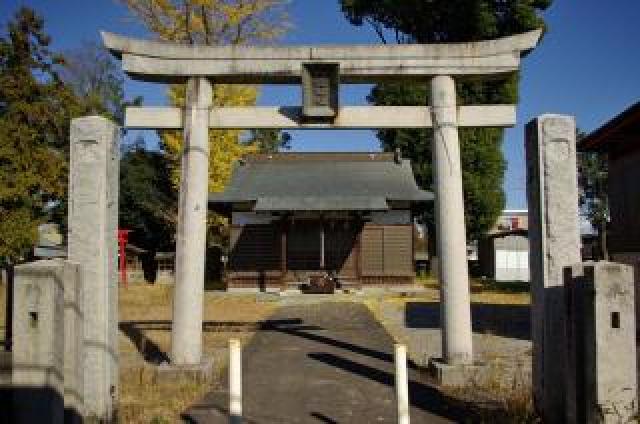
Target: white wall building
504, 253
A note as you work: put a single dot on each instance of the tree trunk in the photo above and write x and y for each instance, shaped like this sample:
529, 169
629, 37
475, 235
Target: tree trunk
8, 322
602, 233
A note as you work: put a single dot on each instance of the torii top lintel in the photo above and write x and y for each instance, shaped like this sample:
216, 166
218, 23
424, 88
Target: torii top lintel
171, 62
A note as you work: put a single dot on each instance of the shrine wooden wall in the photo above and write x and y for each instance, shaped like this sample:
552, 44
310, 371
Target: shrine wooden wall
370, 254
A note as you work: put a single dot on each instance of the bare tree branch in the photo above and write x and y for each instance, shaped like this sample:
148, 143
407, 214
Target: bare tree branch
205, 23
377, 29
187, 26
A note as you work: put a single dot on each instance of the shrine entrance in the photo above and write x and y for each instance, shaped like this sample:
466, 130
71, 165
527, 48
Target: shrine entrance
320, 71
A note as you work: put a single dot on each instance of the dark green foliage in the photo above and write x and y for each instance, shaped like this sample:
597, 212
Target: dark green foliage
35, 110
482, 162
593, 175
270, 140
148, 200
432, 21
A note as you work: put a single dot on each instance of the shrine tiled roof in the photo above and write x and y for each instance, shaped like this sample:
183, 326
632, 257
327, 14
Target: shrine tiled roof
321, 182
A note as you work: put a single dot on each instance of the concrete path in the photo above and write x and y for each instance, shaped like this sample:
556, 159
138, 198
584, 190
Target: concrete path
323, 363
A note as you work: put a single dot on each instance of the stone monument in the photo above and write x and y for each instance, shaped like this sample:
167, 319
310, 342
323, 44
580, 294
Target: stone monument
93, 223
554, 234
601, 353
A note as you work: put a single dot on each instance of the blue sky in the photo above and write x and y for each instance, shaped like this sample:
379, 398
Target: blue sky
587, 66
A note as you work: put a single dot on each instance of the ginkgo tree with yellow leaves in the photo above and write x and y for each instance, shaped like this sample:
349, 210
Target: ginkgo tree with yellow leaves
213, 22
225, 146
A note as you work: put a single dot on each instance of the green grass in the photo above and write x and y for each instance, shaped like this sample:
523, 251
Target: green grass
502, 286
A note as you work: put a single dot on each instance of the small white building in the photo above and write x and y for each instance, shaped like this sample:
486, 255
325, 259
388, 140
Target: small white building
504, 254
165, 267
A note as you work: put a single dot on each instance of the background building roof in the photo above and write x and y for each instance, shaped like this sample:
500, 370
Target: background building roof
623, 128
321, 181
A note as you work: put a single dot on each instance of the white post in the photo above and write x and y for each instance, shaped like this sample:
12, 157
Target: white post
235, 381
455, 307
402, 383
186, 335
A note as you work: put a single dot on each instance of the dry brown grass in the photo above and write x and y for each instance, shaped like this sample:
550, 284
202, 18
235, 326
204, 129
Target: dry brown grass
495, 399
494, 293
143, 399
481, 293
501, 396
501, 298
484, 291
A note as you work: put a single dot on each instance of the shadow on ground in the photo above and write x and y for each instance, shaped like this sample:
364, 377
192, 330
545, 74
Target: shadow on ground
152, 353
512, 321
333, 364
422, 394
34, 405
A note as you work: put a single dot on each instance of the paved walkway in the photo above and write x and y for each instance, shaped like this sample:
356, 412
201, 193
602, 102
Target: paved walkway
322, 363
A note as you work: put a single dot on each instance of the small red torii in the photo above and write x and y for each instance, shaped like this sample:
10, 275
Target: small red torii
123, 238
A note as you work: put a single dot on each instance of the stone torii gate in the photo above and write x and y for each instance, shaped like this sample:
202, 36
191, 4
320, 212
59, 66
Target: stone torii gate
323, 68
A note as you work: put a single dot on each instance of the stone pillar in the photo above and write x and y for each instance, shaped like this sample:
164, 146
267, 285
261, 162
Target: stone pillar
455, 307
186, 334
554, 235
601, 329
38, 343
93, 221
73, 343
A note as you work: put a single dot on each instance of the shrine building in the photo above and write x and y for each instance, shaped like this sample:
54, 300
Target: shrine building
299, 215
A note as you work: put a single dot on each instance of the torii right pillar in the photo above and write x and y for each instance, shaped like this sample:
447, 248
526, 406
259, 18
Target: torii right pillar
455, 302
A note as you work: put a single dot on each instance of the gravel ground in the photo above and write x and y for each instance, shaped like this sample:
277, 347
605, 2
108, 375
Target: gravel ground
501, 332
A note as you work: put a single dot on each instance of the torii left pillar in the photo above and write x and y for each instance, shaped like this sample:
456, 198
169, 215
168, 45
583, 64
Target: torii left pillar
186, 334
455, 304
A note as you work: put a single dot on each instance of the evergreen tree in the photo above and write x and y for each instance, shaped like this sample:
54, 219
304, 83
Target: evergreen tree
148, 199
593, 176
270, 140
35, 110
436, 21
